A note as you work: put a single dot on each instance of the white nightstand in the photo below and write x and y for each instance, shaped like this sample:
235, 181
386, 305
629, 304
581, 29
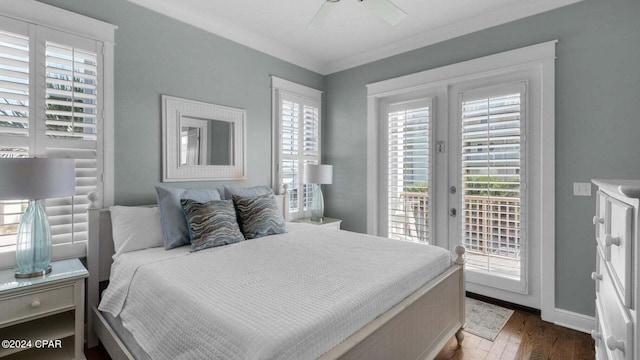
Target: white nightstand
44, 312
330, 223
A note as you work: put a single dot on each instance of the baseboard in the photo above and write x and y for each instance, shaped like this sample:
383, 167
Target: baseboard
575, 321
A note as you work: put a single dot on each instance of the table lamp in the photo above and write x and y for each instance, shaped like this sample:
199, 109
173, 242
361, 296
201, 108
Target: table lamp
317, 175
35, 179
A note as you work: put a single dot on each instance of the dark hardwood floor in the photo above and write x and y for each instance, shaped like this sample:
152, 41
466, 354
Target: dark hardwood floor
525, 336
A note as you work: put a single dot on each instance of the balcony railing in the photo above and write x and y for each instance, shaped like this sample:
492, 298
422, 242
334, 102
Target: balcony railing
491, 224
413, 219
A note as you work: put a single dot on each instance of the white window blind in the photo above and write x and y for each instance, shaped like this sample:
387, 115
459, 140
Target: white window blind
14, 85
297, 122
14, 120
71, 92
408, 126
492, 177
54, 112
71, 128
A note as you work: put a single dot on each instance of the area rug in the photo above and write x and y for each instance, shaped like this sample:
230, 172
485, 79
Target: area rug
485, 320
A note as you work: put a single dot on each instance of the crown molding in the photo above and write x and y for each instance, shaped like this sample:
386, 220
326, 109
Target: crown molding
228, 30
451, 31
32, 11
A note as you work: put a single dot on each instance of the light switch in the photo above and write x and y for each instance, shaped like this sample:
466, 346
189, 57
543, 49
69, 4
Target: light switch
581, 189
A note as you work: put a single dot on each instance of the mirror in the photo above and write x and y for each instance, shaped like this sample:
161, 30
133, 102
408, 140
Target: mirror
206, 142
202, 141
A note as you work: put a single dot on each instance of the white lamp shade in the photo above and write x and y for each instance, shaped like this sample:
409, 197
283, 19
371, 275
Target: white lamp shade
36, 178
318, 174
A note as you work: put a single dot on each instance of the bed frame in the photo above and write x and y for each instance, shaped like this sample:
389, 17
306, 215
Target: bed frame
416, 328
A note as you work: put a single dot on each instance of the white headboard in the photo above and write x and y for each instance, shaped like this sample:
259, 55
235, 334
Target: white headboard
100, 251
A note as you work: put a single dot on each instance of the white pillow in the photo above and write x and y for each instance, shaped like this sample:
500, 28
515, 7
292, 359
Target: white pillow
135, 228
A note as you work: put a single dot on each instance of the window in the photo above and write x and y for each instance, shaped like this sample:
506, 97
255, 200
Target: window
296, 140
54, 94
408, 142
492, 147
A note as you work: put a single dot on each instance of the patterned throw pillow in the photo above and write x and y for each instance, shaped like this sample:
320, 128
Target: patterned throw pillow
211, 224
174, 225
259, 216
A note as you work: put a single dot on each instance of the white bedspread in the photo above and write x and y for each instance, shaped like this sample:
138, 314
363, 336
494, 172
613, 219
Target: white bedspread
288, 296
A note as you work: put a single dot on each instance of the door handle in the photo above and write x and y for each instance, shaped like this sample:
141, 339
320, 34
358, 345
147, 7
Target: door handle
453, 212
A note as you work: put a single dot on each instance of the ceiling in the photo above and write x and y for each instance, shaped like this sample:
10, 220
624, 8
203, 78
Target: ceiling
351, 35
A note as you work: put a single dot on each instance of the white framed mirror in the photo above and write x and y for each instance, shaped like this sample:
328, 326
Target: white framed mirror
202, 141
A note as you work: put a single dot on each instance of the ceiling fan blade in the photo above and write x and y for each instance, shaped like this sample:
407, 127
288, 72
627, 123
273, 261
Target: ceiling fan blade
321, 16
386, 10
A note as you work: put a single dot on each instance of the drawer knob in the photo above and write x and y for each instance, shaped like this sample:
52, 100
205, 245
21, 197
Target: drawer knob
598, 220
614, 344
610, 240
595, 276
35, 304
595, 335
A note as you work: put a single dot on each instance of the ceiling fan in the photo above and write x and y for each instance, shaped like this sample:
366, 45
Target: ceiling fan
384, 9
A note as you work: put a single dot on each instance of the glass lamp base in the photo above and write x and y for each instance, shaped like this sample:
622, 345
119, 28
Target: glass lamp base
33, 245
20, 275
317, 203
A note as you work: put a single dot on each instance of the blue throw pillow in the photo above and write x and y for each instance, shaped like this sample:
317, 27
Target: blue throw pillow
174, 223
259, 216
211, 224
230, 192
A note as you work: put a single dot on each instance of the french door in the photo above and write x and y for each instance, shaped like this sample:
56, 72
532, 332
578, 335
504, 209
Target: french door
488, 166
470, 189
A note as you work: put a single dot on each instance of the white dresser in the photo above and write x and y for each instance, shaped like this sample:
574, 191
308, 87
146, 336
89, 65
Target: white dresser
617, 335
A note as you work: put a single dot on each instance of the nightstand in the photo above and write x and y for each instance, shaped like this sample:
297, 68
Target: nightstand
330, 223
43, 317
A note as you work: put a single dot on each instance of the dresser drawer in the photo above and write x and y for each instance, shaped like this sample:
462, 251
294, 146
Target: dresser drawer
616, 324
14, 309
599, 218
618, 247
596, 334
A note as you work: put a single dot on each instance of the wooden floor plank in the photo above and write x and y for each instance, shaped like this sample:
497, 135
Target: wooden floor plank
583, 348
524, 337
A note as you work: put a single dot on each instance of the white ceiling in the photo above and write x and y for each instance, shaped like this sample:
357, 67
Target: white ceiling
351, 35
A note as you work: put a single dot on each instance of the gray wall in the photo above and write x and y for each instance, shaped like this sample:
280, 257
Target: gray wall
157, 55
597, 123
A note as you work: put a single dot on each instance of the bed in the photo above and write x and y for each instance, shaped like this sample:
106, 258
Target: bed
415, 319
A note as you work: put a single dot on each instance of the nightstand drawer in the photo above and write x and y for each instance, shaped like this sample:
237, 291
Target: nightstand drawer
24, 306
329, 223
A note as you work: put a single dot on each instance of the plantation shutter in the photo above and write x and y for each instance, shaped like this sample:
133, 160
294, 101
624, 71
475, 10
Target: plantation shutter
492, 175
408, 129
14, 85
311, 155
63, 120
71, 93
14, 116
71, 130
68, 215
297, 123
290, 121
